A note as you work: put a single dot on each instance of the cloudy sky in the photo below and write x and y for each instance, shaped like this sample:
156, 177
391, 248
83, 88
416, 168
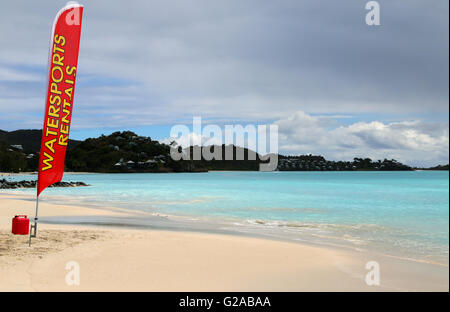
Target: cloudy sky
334, 85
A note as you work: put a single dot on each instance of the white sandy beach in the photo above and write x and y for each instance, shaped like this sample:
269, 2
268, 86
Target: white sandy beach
118, 259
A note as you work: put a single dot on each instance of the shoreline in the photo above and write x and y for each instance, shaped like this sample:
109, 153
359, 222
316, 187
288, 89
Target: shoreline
284, 231
185, 260
115, 172
35, 173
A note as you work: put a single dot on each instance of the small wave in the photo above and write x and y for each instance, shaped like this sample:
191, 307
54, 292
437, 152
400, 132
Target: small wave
296, 224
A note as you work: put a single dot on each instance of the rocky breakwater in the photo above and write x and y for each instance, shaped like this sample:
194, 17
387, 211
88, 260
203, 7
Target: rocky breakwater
4, 184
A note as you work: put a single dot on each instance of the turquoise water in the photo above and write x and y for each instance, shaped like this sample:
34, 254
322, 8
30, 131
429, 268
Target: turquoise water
399, 213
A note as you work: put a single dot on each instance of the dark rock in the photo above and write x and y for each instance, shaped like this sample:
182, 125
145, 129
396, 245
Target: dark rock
4, 184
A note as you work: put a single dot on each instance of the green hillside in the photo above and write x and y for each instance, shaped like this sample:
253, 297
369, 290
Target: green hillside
128, 152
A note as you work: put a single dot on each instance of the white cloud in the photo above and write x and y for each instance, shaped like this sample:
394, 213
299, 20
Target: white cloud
417, 143
412, 142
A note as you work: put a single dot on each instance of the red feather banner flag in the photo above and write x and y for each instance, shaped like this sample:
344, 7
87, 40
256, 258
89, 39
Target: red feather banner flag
62, 72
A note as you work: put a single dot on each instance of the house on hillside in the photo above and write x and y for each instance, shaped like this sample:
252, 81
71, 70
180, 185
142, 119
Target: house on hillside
18, 146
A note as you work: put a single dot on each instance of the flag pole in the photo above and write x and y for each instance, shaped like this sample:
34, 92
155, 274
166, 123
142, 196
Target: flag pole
66, 31
33, 227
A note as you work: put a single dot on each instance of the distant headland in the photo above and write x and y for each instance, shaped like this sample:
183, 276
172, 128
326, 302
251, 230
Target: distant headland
128, 152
